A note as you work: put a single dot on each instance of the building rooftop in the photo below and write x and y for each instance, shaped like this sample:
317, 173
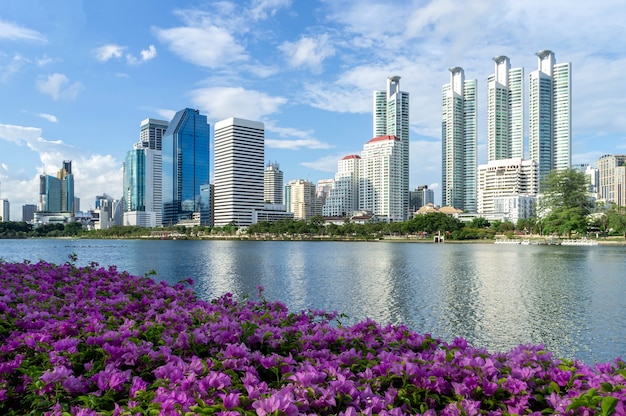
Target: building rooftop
383, 138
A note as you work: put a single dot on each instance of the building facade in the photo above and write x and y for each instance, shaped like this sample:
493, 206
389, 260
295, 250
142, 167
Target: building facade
273, 184
391, 118
380, 178
185, 167
151, 132
505, 186
5, 210
505, 111
343, 197
28, 212
611, 184
239, 171
302, 199
420, 197
549, 118
142, 177
143, 203
56, 194
459, 142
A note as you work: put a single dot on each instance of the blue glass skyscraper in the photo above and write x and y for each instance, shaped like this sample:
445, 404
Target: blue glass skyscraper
186, 157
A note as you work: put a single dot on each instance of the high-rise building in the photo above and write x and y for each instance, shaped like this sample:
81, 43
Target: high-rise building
549, 118
391, 118
151, 132
343, 197
56, 194
273, 184
5, 210
28, 212
239, 173
143, 186
505, 111
612, 184
421, 196
302, 200
322, 191
380, 178
459, 138
186, 175
507, 186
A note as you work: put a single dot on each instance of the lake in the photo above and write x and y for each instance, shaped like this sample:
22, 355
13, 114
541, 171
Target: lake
571, 299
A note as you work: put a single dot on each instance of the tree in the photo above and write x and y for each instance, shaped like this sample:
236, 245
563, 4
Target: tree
478, 222
564, 203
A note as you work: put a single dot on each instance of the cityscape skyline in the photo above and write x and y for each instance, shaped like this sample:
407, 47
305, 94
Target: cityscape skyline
307, 71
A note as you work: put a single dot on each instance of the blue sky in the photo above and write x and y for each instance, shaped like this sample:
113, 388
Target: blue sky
77, 77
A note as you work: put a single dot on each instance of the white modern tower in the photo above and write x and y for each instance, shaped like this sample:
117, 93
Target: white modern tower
343, 197
459, 137
380, 180
239, 165
391, 118
505, 111
151, 133
549, 118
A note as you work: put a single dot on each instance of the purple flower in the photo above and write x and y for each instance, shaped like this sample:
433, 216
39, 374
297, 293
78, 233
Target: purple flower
57, 374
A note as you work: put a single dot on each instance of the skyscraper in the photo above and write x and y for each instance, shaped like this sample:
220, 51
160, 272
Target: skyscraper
142, 177
505, 111
302, 199
56, 194
142, 187
459, 137
549, 120
151, 133
380, 179
273, 184
186, 158
239, 160
5, 209
343, 197
391, 118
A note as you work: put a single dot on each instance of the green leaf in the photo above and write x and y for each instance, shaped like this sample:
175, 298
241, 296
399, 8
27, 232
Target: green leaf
608, 405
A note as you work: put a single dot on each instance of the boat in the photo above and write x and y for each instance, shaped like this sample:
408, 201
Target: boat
579, 242
525, 242
506, 241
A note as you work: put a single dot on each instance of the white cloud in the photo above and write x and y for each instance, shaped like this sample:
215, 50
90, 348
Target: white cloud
107, 52
166, 114
14, 32
262, 9
224, 102
207, 46
49, 117
112, 51
57, 86
9, 67
308, 52
326, 163
44, 60
146, 55
297, 144
94, 173
149, 53
19, 134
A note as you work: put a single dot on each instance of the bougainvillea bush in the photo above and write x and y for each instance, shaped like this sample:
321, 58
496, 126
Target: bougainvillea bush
92, 340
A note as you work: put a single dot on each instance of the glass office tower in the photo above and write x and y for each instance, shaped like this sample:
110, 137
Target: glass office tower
186, 174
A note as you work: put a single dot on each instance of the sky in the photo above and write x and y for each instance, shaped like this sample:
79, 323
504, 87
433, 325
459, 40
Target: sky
78, 77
